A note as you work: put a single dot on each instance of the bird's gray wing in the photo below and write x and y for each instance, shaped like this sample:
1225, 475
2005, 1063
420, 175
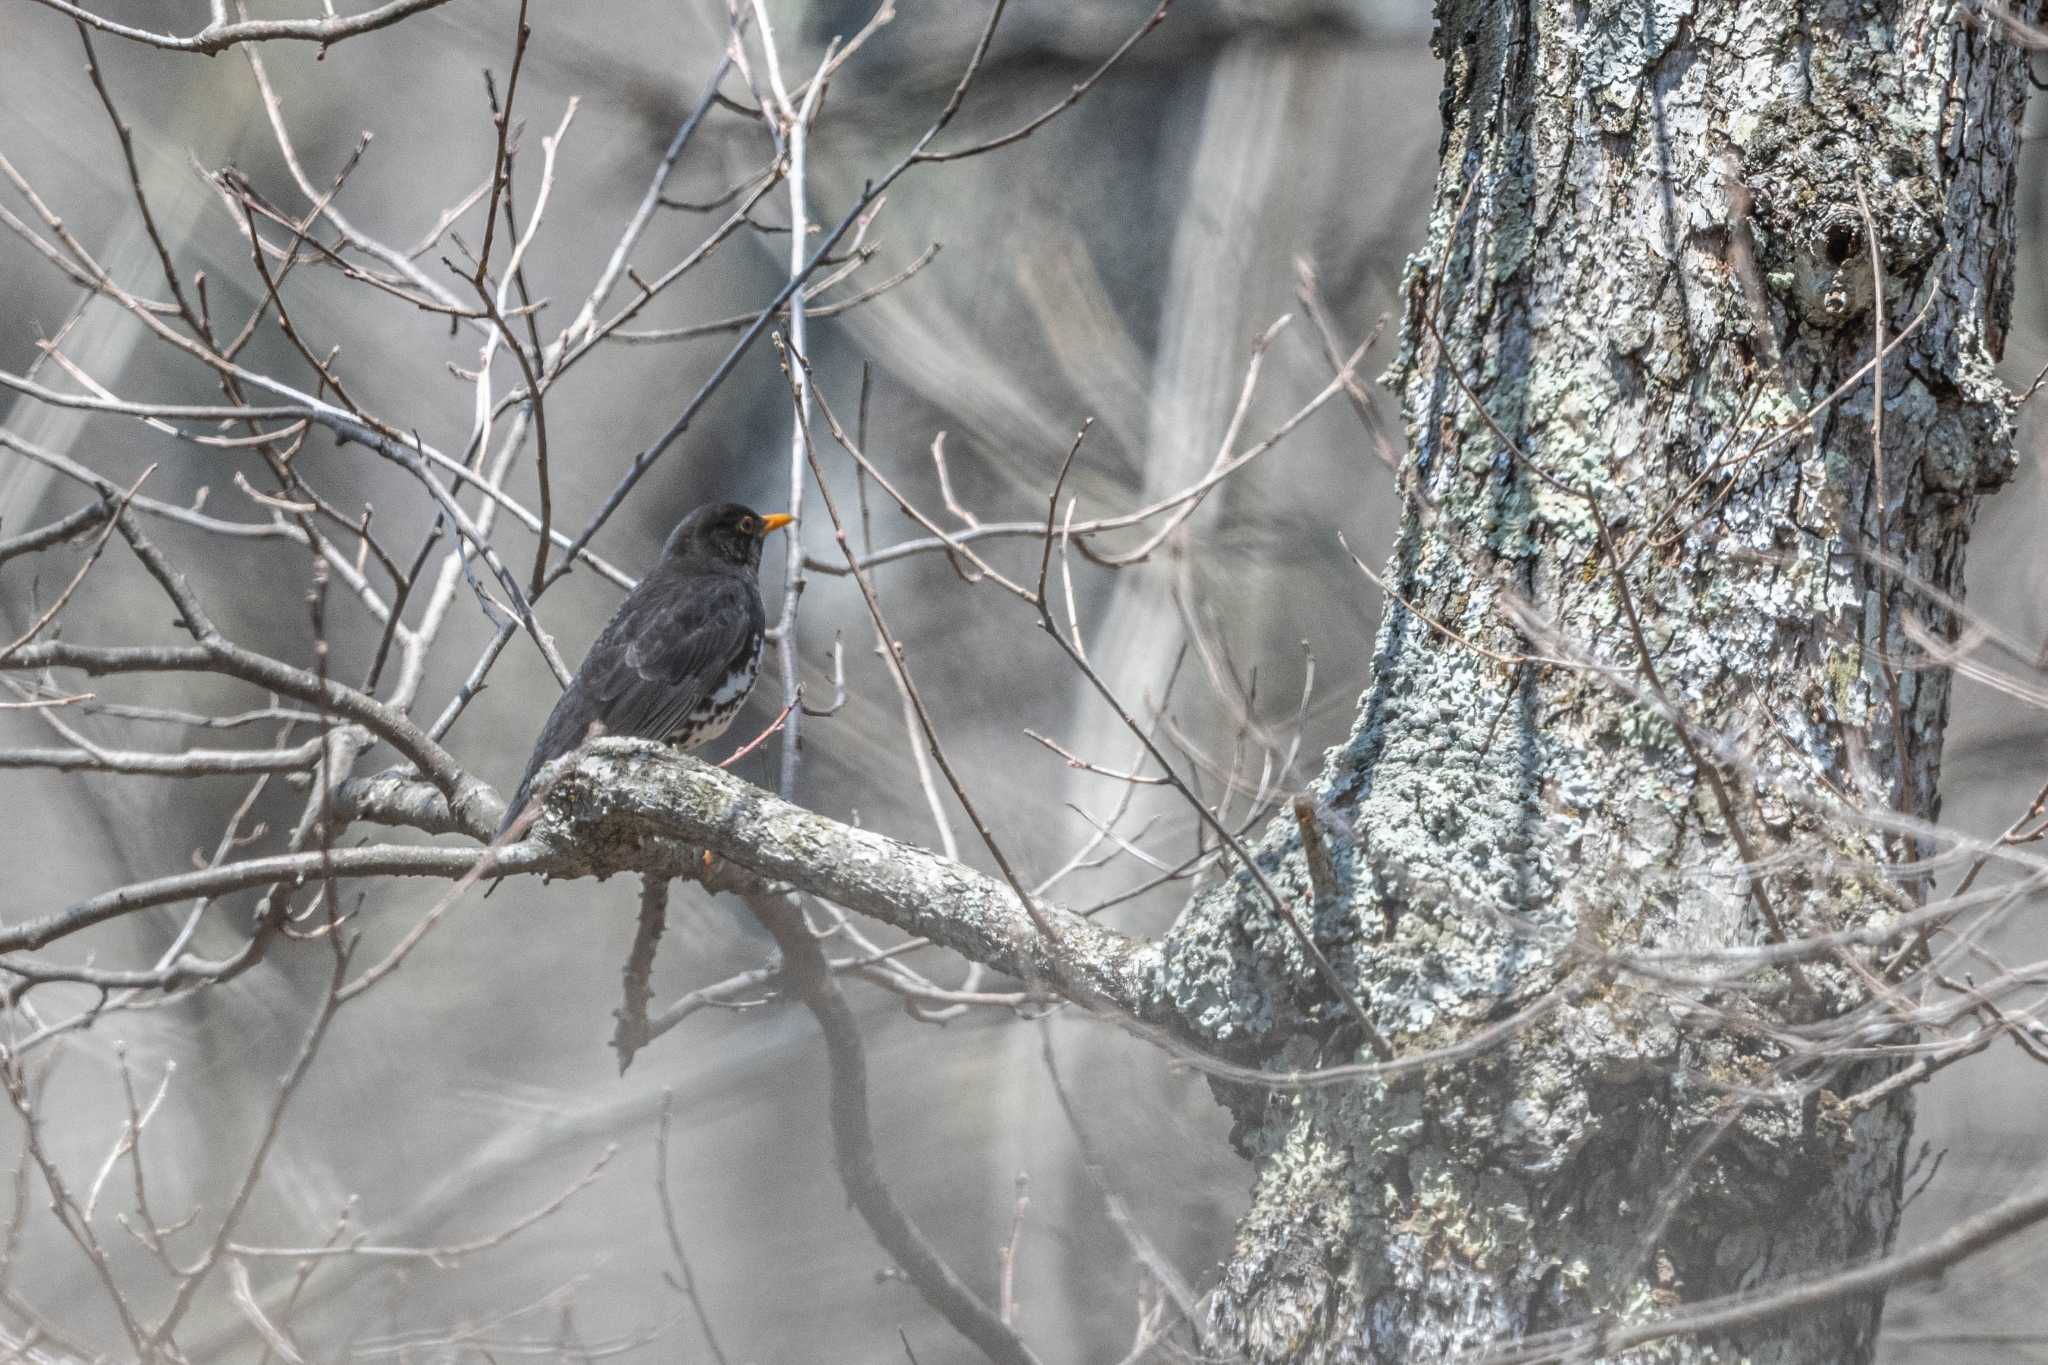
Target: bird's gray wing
669, 645
666, 651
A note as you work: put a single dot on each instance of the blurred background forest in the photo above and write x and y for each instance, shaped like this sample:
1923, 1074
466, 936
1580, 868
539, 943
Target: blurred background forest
1117, 264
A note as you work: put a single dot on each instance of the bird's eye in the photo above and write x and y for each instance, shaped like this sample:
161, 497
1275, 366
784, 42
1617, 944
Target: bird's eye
748, 526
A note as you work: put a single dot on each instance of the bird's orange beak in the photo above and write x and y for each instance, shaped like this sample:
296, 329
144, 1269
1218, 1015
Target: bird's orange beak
775, 521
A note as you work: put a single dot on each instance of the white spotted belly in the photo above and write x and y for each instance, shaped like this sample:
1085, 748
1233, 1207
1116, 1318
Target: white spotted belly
714, 714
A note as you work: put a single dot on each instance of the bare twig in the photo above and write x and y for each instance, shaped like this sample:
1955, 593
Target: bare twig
632, 1033
220, 35
853, 1143
675, 1241
1963, 1240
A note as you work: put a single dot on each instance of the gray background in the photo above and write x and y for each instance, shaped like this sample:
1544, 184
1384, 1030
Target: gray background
1115, 265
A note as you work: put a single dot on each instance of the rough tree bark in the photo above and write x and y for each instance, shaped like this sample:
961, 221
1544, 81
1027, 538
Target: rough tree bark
1648, 256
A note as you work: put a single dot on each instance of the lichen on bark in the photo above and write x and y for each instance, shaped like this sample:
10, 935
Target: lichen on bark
1648, 259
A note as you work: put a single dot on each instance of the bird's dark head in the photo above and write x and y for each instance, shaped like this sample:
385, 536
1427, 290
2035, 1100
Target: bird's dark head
723, 533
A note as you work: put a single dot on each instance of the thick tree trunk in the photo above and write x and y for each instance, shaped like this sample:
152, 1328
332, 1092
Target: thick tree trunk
1648, 257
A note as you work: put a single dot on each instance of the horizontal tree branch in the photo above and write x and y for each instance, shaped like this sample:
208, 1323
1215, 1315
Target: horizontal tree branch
383, 860
631, 805
186, 763
623, 792
474, 799
218, 36
63, 529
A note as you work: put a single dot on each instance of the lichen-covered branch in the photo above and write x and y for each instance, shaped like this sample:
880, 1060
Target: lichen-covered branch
632, 805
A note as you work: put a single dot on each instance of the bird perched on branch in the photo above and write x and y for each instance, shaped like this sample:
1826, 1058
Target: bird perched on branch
678, 657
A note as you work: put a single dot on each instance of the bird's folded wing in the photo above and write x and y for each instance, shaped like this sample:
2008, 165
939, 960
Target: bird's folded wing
670, 653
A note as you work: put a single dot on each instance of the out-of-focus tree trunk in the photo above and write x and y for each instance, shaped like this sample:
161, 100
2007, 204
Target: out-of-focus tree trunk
1647, 257
1196, 373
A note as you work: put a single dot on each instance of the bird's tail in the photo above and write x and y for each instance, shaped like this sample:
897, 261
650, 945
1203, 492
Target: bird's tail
516, 807
568, 725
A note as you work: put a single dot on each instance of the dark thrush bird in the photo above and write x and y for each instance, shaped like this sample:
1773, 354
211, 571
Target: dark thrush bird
679, 656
